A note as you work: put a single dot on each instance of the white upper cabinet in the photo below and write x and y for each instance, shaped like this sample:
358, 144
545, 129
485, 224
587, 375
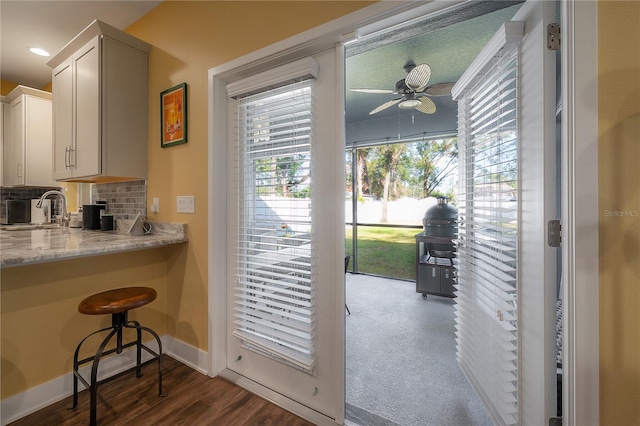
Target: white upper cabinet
27, 138
100, 106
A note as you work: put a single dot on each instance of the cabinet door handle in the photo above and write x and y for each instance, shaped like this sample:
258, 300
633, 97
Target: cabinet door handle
71, 165
18, 169
66, 152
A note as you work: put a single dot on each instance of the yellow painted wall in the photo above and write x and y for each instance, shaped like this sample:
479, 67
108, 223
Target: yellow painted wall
6, 87
41, 325
619, 191
189, 38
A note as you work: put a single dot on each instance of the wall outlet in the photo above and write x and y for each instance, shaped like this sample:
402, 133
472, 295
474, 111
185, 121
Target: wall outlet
186, 203
155, 205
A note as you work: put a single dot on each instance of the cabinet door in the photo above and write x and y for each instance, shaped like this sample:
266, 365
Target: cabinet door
447, 281
15, 165
87, 152
62, 119
428, 279
37, 141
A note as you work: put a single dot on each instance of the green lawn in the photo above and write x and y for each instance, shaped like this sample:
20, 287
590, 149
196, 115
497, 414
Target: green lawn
390, 252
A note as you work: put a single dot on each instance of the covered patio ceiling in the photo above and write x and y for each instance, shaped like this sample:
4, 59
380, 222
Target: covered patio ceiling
447, 41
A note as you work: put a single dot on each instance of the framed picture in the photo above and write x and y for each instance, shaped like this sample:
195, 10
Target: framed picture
173, 116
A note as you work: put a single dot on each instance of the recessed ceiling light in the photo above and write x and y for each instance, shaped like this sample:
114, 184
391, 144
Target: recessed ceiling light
38, 51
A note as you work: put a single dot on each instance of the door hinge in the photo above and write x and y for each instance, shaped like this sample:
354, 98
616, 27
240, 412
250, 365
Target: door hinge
553, 233
555, 421
553, 36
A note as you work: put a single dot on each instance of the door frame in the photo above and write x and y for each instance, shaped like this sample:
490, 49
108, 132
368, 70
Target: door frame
579, 191
580, 252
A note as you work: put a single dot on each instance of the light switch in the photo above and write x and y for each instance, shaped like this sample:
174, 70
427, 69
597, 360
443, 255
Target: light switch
155, 205
186, 203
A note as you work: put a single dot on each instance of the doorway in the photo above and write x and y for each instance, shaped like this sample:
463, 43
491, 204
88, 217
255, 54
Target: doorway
389, 122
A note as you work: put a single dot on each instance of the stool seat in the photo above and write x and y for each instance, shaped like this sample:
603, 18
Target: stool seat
117, 300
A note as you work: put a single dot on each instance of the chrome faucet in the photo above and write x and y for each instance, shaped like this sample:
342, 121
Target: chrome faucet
64, 219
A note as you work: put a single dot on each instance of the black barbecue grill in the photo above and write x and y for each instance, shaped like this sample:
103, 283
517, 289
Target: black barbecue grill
440, 226
435, 251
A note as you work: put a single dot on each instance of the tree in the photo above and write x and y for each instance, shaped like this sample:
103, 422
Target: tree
385, 162
362, 174
395, 170
437, 159
291, 172
283, 176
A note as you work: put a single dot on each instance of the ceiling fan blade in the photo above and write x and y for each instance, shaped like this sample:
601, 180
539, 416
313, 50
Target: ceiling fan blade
439, 89
383, 91
385, 105
426, 106
418, 77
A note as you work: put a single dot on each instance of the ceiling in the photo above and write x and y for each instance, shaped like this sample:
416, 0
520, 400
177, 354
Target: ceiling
51, 25
447, 41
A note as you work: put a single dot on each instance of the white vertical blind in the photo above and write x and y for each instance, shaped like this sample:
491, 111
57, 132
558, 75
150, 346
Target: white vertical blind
274, 293
487, 296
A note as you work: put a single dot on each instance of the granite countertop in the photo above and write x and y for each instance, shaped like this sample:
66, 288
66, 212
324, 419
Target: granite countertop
25, 247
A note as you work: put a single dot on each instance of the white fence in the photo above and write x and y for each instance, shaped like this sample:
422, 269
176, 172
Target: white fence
405, 211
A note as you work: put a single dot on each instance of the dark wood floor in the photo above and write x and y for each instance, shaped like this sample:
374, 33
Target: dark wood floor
192, 399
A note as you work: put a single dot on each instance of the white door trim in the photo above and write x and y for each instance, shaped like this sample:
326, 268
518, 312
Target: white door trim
581, 386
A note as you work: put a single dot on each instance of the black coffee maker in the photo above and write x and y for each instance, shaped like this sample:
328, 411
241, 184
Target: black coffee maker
91, 215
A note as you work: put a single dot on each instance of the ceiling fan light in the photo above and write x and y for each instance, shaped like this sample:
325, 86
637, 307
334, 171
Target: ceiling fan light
409, 104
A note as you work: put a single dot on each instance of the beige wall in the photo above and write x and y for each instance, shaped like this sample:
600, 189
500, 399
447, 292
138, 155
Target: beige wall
619, 190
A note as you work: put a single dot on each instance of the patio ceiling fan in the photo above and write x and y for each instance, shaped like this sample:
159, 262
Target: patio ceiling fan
413, 90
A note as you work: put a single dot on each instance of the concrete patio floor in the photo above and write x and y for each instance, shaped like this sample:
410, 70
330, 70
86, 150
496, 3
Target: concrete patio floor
401, 359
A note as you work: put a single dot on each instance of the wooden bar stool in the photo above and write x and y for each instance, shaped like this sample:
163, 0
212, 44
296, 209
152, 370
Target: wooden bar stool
118, 303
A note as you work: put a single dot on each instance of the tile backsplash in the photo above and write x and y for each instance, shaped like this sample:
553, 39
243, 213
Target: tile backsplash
124, 199
9, 193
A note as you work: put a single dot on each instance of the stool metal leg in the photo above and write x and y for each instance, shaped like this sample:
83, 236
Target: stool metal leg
138, 347
76, 365
94, 377
156, 355
117, 321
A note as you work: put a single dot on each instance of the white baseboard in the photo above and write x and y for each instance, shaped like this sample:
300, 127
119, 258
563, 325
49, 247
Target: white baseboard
186, 354
38, 397
288, 404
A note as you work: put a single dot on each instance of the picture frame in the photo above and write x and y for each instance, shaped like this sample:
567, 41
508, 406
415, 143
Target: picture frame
173, 116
